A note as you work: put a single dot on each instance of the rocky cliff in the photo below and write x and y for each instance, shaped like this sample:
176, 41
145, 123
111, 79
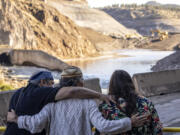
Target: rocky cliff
168, 63
33, 25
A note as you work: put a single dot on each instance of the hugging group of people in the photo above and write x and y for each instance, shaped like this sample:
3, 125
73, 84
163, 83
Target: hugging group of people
70, 109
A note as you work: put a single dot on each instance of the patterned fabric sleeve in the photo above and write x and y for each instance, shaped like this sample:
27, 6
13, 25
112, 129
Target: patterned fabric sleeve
107, 126
111, 112
155, 122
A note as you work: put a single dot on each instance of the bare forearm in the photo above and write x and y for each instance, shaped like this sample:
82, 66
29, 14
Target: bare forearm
83, 93
76, 92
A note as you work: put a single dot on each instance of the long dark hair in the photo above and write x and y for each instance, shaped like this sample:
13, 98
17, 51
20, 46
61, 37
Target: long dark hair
121, 85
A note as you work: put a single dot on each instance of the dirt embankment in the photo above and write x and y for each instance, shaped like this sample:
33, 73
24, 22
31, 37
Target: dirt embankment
95, 19
101, 29
34, 25
145, 18
170, 43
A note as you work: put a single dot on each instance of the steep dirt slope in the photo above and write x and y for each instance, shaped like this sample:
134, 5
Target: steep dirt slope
32, 24
95, 19
145, 18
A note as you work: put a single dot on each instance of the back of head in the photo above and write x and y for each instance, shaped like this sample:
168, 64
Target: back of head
119, 82
121, 85
71, 76
42, 75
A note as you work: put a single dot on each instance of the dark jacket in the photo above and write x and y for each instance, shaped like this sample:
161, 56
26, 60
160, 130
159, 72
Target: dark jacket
29, 101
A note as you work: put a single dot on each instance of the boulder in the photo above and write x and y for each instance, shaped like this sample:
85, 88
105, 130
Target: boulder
170, 62
32, 58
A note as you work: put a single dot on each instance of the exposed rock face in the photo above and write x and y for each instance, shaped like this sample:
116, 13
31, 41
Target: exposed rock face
33, 25
168, 63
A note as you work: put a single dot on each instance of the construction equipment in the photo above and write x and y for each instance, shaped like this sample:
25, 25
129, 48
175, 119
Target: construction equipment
132, 36
161, 34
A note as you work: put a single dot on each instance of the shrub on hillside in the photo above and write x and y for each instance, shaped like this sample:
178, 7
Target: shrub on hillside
4, 86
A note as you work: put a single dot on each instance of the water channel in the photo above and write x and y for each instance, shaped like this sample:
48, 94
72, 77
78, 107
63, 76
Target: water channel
133, 61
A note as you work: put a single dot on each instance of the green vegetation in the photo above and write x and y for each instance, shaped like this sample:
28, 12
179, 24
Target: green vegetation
4, 86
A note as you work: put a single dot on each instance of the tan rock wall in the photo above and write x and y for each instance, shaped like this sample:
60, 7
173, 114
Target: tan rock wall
34, 25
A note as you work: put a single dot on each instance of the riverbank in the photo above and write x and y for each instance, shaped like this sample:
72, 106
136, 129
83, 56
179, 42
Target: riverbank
133, 61
103, 56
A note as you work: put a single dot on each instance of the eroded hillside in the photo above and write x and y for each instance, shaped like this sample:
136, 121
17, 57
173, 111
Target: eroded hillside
95, 19
32, 24
146, 18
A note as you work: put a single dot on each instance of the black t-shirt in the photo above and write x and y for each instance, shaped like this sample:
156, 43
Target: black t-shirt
29, 101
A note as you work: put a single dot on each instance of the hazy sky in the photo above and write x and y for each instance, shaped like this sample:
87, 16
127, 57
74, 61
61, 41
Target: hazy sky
101, 3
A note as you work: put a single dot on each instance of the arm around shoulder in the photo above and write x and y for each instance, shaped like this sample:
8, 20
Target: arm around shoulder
76, 92
107, 126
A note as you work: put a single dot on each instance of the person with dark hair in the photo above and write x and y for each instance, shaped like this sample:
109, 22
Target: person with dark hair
72, 116
31, 99
128, 103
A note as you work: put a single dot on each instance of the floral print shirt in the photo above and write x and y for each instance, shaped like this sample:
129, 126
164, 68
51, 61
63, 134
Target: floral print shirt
143, 105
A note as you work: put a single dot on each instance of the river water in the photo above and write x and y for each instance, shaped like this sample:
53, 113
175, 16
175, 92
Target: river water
138, 61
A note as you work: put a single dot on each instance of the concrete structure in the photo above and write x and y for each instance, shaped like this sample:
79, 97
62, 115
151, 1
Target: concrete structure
32, 58
93, 84
4, 104
157, 83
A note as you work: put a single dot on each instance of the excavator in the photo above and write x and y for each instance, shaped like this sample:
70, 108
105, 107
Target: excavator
161, 34
133, 35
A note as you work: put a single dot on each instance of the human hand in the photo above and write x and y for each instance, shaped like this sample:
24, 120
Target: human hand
138, 121
11, 116
106, 98
148, 116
